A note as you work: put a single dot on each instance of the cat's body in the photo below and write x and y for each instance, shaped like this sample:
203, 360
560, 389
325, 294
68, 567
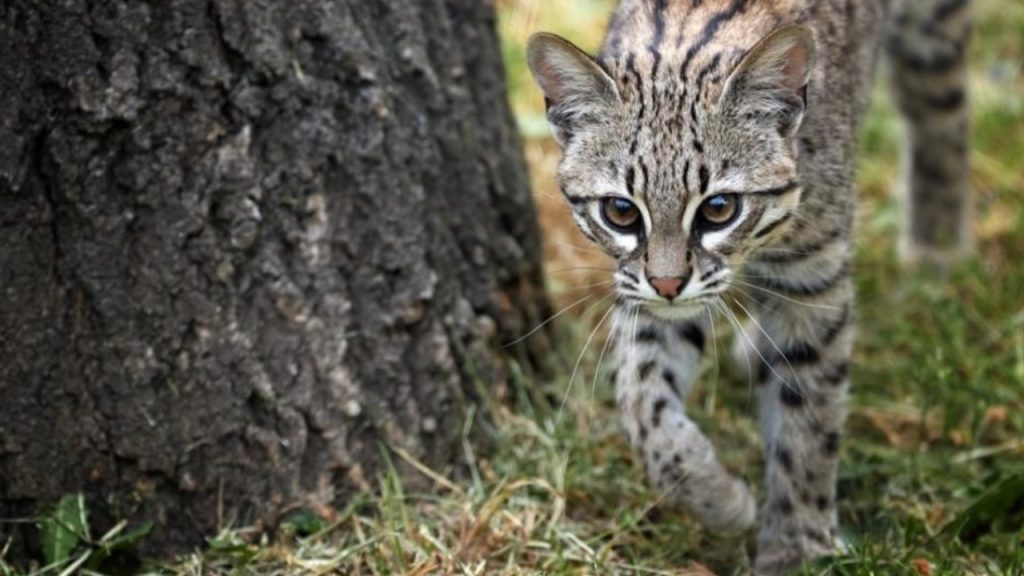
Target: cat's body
711, 149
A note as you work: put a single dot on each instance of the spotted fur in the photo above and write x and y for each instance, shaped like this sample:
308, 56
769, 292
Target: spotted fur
757, 101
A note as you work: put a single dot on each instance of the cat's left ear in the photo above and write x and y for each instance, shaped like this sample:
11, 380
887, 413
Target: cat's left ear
771, 80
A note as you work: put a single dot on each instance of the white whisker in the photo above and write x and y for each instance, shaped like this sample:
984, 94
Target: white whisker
736, 323
631, 357
787, 298
579, 360
709, 405
600, 358
550, 320
772, 342
590, 286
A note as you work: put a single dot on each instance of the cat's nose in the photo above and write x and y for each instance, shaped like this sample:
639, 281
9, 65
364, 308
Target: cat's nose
667, 287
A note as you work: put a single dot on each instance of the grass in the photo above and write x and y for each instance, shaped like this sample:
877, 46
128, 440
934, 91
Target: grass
933, 466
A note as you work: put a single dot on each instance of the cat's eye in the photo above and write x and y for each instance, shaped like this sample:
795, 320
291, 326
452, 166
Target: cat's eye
622, 215
720, 210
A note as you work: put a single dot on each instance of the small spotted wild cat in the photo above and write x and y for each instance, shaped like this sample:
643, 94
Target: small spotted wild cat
710, 147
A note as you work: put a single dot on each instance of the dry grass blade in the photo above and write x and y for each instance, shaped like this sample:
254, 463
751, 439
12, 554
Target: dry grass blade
426, 471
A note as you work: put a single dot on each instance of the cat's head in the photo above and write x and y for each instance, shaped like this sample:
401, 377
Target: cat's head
682, 177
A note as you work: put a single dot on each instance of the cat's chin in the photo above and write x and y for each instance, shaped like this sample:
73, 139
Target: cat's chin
676, 312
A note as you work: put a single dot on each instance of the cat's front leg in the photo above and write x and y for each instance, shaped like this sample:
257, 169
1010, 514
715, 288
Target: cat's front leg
801, 331
657, 363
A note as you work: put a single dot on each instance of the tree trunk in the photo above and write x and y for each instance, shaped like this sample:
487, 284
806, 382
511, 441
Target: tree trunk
246, 244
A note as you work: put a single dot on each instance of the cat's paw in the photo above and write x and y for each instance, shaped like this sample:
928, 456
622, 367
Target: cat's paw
779, 551
726, 555
731, 514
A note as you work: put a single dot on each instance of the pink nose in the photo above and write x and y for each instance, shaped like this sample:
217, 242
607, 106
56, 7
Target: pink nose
667, 287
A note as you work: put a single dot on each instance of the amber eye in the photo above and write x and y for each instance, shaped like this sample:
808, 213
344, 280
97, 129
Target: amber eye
621, 214
720, 210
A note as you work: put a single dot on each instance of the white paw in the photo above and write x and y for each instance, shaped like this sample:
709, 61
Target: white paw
733, 515
777, 554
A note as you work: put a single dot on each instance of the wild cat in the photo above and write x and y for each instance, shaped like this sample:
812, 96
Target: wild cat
710, 149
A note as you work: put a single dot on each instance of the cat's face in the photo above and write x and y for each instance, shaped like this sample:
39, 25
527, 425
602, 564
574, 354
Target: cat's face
679, 183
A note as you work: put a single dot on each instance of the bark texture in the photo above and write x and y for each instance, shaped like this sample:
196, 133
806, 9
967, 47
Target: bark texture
245, 244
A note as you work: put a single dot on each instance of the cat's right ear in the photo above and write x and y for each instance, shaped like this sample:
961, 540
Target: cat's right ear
576, 89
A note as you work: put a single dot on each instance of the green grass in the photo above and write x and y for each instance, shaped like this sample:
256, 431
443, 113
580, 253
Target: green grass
933, 463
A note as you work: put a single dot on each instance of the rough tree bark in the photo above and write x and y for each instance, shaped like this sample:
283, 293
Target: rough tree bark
244, 244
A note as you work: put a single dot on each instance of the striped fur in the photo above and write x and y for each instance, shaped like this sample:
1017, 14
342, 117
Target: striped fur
759, 101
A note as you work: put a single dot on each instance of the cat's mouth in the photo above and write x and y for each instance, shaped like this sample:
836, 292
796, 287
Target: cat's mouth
679, 310
696, 300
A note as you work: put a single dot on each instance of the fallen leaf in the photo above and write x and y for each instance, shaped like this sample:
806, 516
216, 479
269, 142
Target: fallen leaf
996, 415
922, 566
903, 428
696, 569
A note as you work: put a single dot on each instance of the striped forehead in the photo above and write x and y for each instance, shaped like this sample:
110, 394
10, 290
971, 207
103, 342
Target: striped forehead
671, 60
674, 48
677, 31
666, 142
